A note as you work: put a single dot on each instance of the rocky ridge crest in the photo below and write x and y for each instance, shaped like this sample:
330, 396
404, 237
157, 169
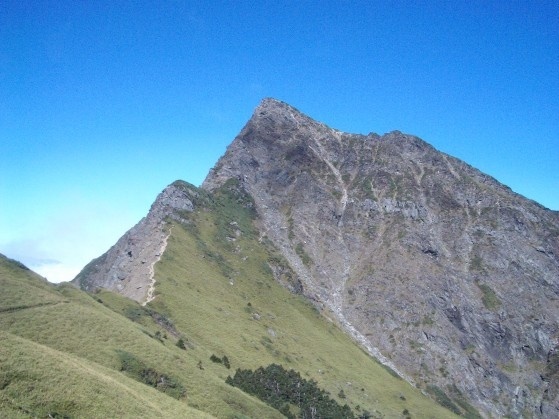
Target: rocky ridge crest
128, 266
435, 267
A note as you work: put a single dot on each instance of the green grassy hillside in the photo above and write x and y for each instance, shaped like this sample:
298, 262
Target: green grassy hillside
65, 357
68, 353
38, 381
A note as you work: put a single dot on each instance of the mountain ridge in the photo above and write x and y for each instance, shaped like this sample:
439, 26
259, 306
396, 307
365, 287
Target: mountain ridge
413, 252
458, 226
128, 267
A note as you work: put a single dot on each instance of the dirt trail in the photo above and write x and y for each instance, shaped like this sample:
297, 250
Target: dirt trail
26, 307
150, 296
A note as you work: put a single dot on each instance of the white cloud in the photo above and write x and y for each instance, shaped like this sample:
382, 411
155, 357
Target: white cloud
32, 253
57, 272
64, 242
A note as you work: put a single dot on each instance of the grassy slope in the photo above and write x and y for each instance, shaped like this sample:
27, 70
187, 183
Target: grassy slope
59, 345
222, 296
56, 350
39, 381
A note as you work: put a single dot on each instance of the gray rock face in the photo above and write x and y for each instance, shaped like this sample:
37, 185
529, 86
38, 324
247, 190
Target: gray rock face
437, 269
128, 266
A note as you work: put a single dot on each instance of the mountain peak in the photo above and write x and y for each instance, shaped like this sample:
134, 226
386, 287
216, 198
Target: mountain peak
269, 104
279, 115
272, 102
395, 241
426, 236
127, 267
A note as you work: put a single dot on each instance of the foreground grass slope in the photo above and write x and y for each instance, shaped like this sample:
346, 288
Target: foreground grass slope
56, 356
38, 381
68, 353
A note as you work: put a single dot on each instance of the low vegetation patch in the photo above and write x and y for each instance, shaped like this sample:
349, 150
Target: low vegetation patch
138, 370
236, 210
476, 264
288, 392
218, 360
468, 411
305, 258
441, 398
489, 298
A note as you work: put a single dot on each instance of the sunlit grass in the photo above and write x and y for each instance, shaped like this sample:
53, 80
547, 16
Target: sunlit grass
86, 330
244, 314
64, 348
38, 381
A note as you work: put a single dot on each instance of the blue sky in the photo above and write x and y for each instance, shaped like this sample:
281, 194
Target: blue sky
102, 104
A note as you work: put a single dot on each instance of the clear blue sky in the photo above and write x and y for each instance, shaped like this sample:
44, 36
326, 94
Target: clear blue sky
102, 104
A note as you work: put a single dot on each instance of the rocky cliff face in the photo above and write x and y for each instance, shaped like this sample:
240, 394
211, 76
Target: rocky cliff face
436, 268
128, 266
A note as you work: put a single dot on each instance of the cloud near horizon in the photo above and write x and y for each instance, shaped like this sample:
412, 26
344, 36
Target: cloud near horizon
35, 254
57, 272
73, 237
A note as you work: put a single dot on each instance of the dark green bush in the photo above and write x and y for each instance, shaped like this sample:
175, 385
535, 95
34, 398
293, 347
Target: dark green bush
281, 389
138, 370
215, 359
218, 360
226, 362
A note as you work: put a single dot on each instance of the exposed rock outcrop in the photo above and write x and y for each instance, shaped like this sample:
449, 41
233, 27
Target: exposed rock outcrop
436, 268
128, 266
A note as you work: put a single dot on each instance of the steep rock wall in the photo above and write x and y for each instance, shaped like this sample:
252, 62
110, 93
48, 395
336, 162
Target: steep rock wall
438, 269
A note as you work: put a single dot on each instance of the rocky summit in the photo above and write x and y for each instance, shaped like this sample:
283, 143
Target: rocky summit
436, 269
